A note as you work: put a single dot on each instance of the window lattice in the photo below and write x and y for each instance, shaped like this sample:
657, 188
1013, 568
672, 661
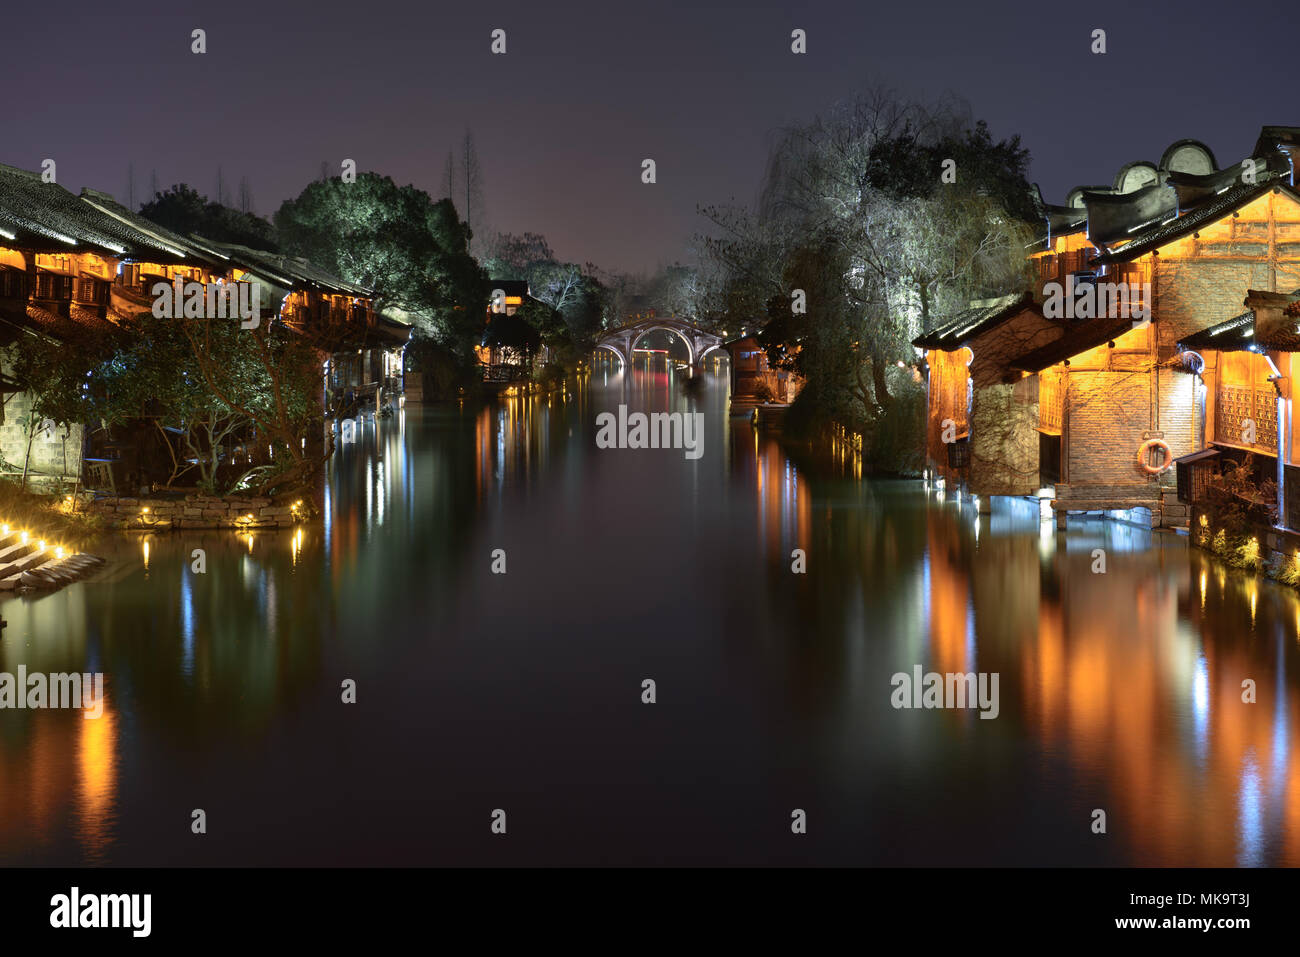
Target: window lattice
1238, 405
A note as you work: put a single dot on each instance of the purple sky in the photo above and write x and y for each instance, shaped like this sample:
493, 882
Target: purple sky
587, 90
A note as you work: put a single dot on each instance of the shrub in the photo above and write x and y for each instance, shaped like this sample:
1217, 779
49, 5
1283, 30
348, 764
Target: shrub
47, 516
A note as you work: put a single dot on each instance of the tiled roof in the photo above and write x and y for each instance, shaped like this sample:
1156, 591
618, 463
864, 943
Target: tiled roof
970, 322
1209, 212
1115, 217
1239, 334
148, 236
1085, 335
46, 216
82, 326
391, 330
289, 272
1232, 335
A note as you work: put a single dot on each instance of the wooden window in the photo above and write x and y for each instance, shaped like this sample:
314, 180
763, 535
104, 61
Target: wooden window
50, 286
13, 284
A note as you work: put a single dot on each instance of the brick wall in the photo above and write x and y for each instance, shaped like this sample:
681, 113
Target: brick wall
948, 391
1108, 412
1192, 295
1004, 440
1179, 410
1202, 279
52, 447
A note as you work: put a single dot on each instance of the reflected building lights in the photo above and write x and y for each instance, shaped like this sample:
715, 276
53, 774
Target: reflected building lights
187, 623
97, 779
1249, 815
1201, 703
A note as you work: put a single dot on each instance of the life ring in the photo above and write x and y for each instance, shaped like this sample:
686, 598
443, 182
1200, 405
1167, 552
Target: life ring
1145, 447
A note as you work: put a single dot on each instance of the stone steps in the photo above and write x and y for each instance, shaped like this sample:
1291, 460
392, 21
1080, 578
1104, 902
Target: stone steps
45, 571
28, 566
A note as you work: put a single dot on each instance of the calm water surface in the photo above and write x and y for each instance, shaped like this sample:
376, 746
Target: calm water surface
522, 691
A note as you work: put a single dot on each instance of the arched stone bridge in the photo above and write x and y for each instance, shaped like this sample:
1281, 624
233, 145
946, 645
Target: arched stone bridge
622, 340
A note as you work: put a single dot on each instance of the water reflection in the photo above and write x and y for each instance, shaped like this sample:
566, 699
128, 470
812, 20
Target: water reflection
1135, 677
1120, 690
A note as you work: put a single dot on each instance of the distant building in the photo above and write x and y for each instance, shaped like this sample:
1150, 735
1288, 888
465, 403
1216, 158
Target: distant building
507, 295
753, 380
510, 345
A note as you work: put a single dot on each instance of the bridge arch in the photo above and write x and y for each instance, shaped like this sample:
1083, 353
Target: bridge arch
622, 340
611, 347
646, 330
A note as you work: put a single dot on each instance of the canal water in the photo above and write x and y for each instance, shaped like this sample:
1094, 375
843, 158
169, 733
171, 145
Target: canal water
476, 691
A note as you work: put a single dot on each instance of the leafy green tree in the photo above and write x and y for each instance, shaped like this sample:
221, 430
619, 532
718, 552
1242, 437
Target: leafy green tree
157, 377
412, 251
263, 384
56, 376
511, 256
572, 291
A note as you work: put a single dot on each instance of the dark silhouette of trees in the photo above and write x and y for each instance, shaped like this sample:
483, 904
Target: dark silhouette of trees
183, 210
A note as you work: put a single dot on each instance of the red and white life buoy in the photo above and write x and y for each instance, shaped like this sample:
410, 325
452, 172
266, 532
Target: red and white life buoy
1167, 459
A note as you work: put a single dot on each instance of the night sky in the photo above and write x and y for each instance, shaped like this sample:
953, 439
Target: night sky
588, 90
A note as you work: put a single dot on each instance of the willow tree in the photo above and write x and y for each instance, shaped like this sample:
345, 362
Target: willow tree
887, 213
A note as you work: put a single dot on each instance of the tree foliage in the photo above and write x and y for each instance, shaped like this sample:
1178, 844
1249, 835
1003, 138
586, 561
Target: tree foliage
857, 222
573, 292
412, 251
182, 210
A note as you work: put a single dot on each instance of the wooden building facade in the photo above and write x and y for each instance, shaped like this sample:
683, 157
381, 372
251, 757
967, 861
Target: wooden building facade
1247, 369
74, 266
1117, 400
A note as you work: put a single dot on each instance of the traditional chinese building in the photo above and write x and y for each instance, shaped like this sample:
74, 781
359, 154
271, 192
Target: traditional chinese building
361, 347
1247, 367
982, 415
1166, 251
62, 259
510, 344
753, 379
72, 268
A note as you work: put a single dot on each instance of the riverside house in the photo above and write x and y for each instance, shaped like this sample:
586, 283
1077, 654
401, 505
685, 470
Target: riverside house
74, 266
1116, 400
1247, 367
